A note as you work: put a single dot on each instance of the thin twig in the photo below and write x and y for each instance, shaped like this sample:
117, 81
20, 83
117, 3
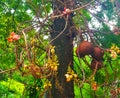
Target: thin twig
60, 15
94, 72
9, 70
103, 20
27, 48
61, 31
83, 73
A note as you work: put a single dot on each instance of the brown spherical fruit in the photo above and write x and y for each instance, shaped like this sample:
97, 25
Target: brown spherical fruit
98, 53
84, 48
96, 64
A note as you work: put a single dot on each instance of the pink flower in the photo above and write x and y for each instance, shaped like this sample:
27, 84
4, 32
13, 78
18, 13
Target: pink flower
13, 37
9, 39
12, 34
94, 86
16, 37
66, 11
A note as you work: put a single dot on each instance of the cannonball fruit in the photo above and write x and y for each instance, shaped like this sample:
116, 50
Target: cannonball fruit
84, 48
98, 53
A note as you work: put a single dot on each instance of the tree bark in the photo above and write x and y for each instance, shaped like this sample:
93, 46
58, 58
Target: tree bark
64, 50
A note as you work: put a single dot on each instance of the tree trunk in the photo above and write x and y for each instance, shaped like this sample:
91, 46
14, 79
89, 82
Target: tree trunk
64, 50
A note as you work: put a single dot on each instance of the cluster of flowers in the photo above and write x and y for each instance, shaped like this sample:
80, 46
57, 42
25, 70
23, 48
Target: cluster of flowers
49, 68
115, 50
47, 85
70, 75
94, 86
13, 37
52, 62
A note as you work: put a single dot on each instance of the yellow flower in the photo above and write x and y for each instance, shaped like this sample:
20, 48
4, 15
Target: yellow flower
47, 84
113, 54
68, 77
75, 75
26, 67
55, 68
52, 50
94, 86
